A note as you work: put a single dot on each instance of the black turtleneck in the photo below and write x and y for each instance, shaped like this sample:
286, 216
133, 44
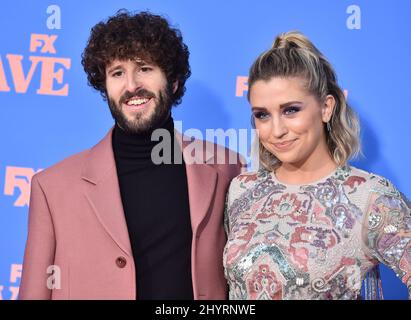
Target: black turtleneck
156, 207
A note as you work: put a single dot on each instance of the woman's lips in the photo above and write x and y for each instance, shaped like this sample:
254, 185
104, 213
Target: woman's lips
285, 145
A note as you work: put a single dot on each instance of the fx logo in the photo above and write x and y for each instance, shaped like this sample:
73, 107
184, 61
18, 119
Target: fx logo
43, 41
11, 292
20, 178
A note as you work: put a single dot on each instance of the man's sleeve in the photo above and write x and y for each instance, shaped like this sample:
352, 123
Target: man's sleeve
40, 247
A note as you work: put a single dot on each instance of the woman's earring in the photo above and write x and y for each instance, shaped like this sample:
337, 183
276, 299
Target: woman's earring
328, 126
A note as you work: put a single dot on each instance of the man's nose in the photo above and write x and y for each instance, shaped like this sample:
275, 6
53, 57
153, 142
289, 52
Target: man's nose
133, 83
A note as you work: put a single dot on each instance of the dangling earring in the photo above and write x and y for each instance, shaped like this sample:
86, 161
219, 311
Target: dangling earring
328, 126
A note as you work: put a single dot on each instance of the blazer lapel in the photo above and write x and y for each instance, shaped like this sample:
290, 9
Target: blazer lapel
103, 192
201, 178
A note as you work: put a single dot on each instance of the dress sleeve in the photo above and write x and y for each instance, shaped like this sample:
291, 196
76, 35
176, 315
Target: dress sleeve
230, 196
227, 220
388, 229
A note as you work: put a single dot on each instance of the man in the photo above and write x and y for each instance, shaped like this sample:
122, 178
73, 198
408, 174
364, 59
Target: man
113, 223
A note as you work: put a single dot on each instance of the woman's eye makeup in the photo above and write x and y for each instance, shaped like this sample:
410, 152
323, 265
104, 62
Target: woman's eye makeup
263, 114
291, 110
260, 115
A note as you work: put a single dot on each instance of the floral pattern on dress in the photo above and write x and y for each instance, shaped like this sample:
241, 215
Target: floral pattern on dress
313, 241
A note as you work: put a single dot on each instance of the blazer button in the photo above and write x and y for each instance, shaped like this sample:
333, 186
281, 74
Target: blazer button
121, 262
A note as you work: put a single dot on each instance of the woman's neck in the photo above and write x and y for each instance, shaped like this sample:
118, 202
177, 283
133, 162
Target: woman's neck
320, 164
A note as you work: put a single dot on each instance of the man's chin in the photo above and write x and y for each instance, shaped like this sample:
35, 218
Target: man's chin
141, 121
137, 126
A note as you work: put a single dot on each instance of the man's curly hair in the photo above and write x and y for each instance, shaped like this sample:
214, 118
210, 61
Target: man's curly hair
129, 36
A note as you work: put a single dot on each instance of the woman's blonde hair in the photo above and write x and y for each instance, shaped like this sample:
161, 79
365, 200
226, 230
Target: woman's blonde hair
294, 55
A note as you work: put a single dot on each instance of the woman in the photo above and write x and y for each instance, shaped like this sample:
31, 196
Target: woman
307, 225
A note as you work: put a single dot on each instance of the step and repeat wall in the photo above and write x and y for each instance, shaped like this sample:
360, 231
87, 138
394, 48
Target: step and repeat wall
48, 112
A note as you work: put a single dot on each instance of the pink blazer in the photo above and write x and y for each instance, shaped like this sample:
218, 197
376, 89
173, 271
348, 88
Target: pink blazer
78, 236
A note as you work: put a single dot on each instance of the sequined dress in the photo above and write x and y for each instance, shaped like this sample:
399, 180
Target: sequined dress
314, 241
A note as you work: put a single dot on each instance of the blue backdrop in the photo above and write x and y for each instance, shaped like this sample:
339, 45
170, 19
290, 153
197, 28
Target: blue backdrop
48, 112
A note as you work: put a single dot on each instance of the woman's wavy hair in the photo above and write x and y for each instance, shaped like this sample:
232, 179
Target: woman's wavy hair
294, 55
142, 36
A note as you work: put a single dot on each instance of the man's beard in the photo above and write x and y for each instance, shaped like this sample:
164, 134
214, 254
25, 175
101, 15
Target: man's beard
139, 124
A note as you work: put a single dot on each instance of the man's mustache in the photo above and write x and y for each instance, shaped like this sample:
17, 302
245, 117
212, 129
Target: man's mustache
141, 93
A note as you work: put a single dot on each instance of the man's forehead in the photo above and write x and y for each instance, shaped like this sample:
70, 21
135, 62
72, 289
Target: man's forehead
138, 61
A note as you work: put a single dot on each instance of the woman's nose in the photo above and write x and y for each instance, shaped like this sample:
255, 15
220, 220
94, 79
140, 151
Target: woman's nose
279, 128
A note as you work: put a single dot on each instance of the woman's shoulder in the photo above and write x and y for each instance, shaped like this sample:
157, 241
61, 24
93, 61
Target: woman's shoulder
251, 177
247, 181
243, 180
246, 177
372, 181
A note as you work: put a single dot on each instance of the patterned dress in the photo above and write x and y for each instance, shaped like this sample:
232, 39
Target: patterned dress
314, 241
